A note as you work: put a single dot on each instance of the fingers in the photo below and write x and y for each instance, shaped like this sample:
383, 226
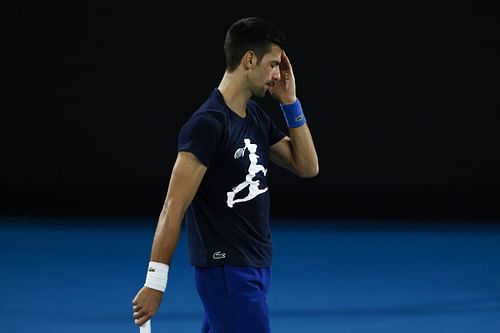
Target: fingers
140, 316
142, 320
285, 62
137, 312
145, 304
286, 71
136, 309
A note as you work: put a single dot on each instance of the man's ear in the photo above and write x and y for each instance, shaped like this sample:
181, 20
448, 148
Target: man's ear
249, 59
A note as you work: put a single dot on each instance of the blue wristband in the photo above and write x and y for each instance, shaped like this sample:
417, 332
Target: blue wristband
294, 115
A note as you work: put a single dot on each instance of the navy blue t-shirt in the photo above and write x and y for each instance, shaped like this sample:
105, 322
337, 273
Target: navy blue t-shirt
228, 220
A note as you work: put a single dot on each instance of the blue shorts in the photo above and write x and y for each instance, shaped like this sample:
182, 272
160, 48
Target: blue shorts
234, 298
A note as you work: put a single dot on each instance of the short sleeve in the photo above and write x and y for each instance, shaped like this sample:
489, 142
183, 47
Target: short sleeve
201, 136
275, 133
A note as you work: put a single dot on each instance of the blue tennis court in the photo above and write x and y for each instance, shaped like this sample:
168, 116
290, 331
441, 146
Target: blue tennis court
328, 276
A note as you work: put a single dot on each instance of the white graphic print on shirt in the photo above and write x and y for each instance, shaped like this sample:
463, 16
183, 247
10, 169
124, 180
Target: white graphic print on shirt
253, 169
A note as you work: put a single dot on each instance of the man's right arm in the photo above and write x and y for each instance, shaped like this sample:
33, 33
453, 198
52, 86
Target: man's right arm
185, 180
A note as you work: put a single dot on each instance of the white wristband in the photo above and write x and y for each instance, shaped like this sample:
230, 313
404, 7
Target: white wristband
157, 276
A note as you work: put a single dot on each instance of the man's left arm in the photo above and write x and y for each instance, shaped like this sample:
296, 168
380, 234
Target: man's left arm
295, 152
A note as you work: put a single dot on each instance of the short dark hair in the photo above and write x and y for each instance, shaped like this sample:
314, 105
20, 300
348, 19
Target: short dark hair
250, 33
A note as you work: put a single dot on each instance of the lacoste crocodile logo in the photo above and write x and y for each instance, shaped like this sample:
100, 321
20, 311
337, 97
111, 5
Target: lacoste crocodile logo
219, 255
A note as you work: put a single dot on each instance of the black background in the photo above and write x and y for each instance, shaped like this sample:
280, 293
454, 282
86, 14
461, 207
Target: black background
402, 101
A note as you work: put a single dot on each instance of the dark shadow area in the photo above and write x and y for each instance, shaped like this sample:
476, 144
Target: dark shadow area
402, 101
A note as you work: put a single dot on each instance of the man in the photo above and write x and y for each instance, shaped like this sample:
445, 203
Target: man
219, 185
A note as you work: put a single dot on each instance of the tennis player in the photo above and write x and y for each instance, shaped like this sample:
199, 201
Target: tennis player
219, 184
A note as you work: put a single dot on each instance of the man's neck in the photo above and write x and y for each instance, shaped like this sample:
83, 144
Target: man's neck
234, 94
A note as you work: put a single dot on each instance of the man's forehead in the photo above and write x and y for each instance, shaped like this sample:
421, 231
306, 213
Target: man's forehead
274, 54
